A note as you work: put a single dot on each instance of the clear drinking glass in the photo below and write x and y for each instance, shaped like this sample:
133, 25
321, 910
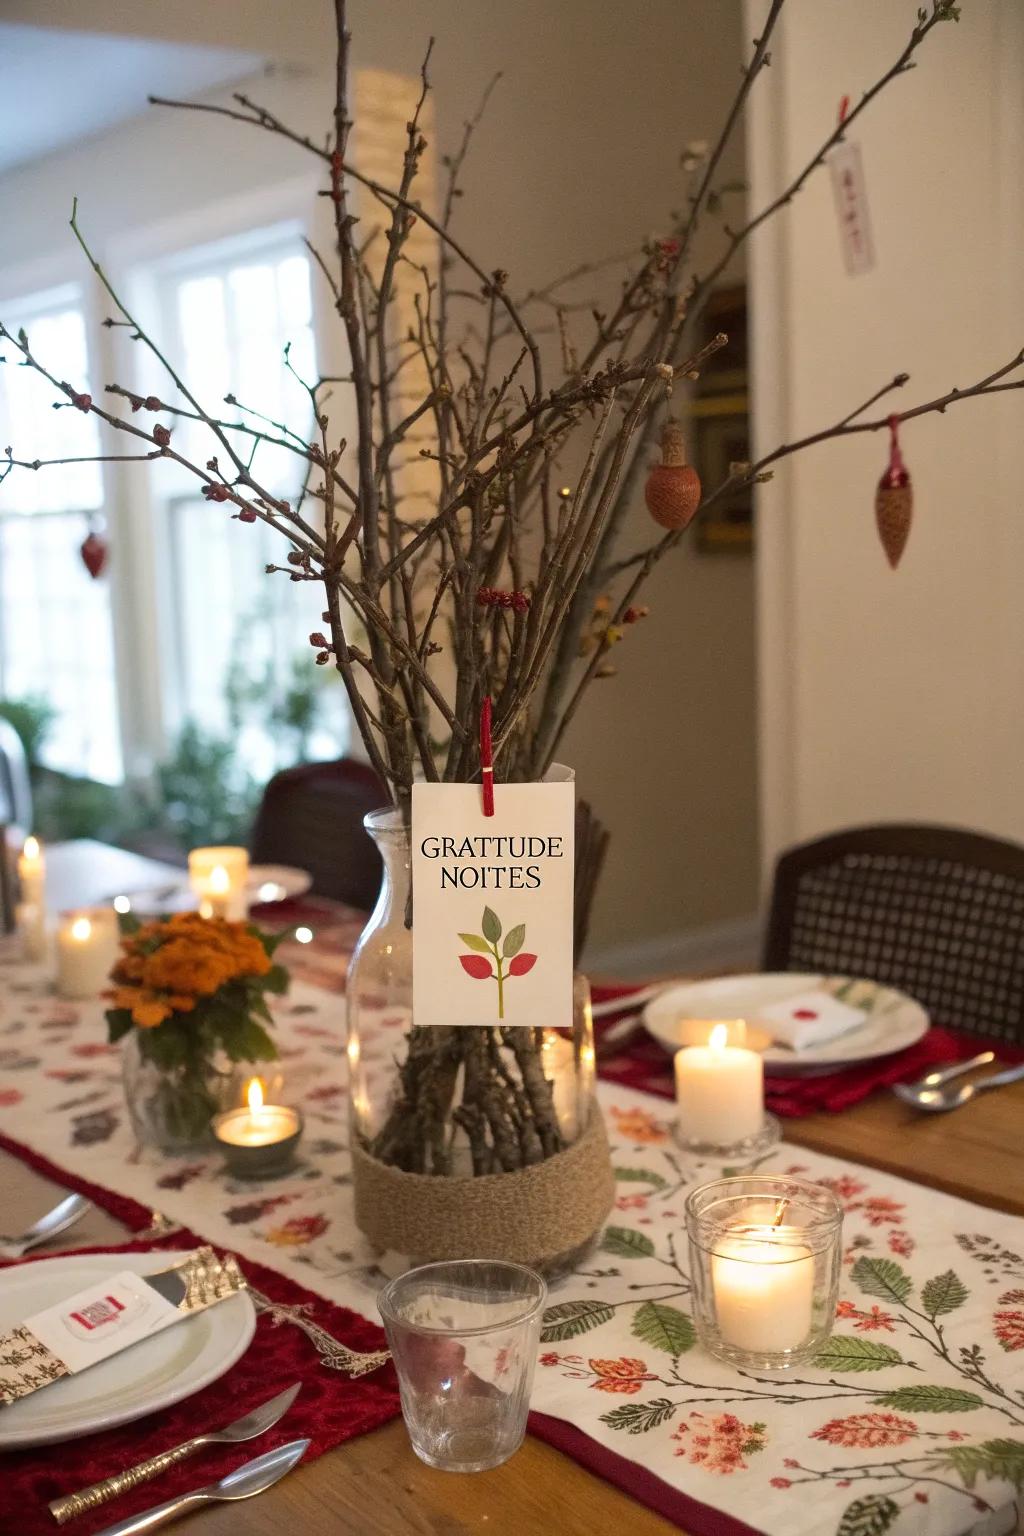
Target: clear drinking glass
464, 1338
765, 1255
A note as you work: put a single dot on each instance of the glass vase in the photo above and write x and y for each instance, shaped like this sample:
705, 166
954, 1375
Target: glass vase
171, 1107
459, 1103
765, 1254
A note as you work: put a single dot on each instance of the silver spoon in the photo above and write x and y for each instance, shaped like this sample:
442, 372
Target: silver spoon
244, 1482
59, 1219
952, 1096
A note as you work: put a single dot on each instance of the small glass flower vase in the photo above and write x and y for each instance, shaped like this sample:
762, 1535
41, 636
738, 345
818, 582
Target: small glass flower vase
171, 1107
765, 1258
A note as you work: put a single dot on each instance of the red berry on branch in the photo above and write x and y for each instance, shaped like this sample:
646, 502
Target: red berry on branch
316, 638
161, 435
215, 492
152, 403
81, 402
247, 515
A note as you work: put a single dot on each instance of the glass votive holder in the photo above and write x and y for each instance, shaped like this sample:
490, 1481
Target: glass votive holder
765, 1254
464, 1336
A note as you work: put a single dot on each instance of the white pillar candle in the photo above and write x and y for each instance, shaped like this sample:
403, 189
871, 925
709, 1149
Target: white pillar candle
219, 877
87, 947
719, 1091
32, 873
763, 1282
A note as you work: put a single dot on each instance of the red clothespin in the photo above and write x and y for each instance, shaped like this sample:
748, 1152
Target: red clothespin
486, 757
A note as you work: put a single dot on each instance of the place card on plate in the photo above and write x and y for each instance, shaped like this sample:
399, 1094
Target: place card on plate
810, 1018
108, 1316
493, 902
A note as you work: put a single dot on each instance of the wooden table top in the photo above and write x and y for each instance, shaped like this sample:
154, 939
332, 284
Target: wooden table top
376, 1486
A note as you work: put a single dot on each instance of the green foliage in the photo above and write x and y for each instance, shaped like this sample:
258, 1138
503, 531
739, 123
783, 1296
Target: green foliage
664, 1327
872, 1516
32, 718
1002, 1459
929, 1400
568, 1319
638, 1418
626, 1243
882, 1278
943, 1294
206, 794
845, 1353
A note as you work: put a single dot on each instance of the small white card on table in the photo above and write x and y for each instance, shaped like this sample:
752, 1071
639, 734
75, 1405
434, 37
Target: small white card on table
493, 904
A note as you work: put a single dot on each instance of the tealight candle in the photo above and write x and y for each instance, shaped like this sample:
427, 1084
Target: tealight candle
218, 877
87, 944
763, 1282
259, 1141
32, 873
720, 1092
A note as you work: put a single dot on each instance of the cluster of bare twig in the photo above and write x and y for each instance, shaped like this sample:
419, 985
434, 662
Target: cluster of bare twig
501, 586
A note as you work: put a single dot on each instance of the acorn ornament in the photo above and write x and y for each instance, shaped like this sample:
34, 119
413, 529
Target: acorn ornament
894, 500
672, 491
94, 551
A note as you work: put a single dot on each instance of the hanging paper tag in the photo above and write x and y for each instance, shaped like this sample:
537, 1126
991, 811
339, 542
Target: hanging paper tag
492, 904
852, 212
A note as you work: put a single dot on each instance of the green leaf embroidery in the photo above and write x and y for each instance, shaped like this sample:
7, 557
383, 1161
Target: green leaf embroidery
992, 1458
856, 1354
882, 1278
868, 1517
474, 941
491, 925
943, 1294
568, 1319
929, 1400
664, 1328
638, 1418
514, 941
640, 1176
627, 1244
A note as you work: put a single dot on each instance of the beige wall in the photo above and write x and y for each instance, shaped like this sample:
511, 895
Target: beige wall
578, 158
885, 695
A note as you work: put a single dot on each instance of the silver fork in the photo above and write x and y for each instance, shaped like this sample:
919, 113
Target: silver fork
58, 1220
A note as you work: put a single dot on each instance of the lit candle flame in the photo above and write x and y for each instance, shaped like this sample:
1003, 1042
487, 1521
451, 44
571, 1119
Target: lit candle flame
81, 929
31, 849
719, 1037
254, 1096
220, 881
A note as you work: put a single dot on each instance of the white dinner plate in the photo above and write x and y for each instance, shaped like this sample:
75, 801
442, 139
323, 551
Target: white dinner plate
276, 882
151, 1375
893, 1021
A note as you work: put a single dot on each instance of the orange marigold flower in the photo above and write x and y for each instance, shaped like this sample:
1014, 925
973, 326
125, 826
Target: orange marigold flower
149, 1011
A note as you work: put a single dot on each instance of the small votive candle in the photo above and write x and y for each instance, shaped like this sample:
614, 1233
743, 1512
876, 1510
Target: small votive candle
765, 1256
259, 1141
32, 873
87, 946
219, 877
720, 1092
30, 923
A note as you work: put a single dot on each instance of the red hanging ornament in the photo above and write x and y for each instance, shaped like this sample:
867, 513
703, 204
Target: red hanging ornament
894, 500
673, 491
94, 551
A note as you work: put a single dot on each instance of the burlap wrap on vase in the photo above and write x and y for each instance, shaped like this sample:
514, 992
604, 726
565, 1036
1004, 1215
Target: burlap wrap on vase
531, 1217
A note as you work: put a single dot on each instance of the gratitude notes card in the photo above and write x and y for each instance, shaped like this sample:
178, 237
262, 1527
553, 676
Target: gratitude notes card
492, 904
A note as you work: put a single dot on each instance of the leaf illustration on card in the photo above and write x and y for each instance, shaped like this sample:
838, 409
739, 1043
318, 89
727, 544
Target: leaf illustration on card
488, 962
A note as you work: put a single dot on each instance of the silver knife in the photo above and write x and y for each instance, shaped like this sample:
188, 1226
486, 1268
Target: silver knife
246, 1428
244, 1482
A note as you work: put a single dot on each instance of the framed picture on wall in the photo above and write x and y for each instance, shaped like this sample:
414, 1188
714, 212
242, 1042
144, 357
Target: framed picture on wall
719, 413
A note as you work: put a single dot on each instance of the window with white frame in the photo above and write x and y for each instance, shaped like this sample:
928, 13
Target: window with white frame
237, 319
56, 638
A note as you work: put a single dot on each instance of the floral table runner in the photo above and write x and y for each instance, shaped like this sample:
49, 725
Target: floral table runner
911, 1421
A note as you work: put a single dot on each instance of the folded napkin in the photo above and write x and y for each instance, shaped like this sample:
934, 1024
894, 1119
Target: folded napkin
810, 1018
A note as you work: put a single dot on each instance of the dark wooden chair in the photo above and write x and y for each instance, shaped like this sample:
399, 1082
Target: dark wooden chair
935, 911
312, 817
